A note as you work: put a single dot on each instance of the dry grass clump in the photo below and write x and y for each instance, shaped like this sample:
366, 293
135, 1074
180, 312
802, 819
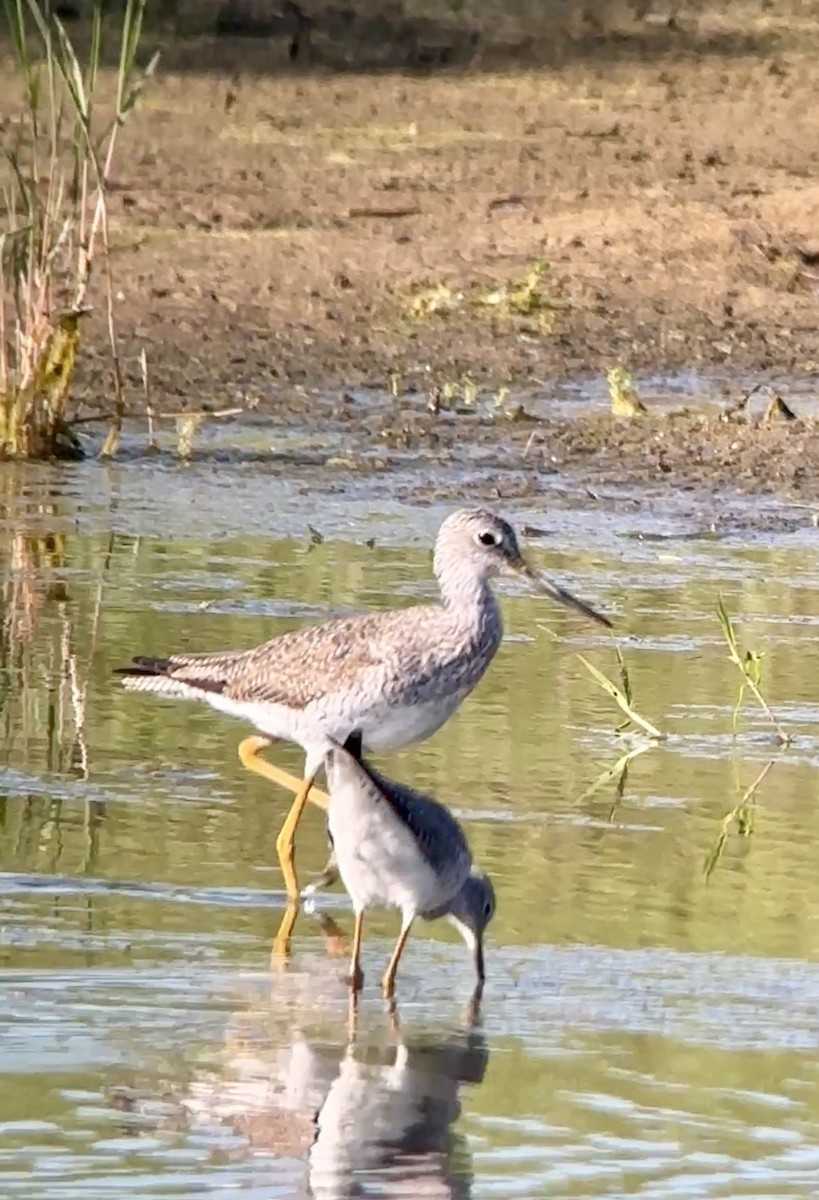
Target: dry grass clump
59, 152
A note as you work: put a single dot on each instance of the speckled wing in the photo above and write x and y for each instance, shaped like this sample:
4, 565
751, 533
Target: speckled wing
308, 664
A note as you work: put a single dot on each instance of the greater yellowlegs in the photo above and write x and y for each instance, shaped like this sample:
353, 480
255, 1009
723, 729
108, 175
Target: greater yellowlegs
394, 677
397, 848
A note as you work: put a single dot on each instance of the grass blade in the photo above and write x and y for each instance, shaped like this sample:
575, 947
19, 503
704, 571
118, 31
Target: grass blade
621, 699
749, 664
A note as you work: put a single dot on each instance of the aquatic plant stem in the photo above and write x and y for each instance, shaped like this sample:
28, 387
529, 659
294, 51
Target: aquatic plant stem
749, 664
622, 698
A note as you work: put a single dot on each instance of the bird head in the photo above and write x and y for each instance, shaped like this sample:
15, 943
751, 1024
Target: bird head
470, 911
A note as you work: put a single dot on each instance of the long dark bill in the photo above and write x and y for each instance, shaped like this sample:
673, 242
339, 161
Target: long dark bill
555, 592
477, 959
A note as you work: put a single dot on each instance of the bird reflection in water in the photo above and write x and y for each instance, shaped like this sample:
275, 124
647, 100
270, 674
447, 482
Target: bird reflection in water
386, 1127
374, 1117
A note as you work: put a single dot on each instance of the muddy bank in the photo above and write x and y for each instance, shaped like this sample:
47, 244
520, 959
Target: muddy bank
707, 452
373, 447
306, 228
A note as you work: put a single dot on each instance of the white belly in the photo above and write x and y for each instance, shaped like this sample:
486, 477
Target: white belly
384, 728
394, 728
378, 859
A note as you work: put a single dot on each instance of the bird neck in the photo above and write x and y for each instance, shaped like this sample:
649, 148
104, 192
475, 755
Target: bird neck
467, 596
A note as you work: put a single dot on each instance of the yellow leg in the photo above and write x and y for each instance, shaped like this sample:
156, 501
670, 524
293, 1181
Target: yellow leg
286, 841
285, 848
249, 752
356, 974
281, 942
388, 982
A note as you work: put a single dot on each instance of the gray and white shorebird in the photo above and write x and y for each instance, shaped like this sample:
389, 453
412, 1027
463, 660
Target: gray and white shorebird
394, 847
393, 677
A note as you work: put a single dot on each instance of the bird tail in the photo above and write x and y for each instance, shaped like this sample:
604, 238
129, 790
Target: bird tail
171, 677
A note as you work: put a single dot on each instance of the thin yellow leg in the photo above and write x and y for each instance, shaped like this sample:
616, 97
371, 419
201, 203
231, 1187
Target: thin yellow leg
249, 755
388, 982
249, 751
281, 942
285, 848
286, 841
356, 974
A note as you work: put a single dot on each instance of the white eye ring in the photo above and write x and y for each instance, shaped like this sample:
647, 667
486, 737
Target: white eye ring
487, 538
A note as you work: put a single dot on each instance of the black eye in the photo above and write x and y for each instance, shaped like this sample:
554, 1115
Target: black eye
487, 538
487, 908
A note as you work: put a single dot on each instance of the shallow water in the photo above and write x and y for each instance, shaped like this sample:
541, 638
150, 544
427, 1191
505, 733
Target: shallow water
643, 1033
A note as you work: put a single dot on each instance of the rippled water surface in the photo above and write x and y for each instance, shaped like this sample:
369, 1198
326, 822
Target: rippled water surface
644, 1032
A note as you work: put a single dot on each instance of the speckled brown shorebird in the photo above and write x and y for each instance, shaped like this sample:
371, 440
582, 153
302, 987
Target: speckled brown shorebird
392, 677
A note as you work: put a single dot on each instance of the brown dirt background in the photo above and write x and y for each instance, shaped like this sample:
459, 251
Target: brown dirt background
664, 164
